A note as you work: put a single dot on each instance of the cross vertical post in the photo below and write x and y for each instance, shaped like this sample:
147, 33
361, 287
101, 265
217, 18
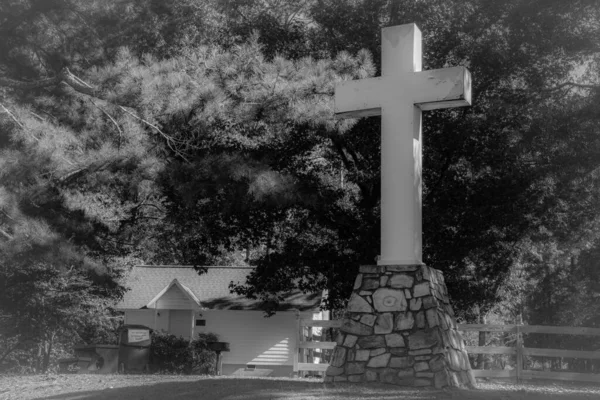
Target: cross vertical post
399, 95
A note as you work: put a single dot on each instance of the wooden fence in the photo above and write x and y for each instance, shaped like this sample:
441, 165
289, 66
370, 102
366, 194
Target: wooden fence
521, 352
305, 355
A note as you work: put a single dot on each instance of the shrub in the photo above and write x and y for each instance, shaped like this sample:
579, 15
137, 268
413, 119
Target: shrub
173, 354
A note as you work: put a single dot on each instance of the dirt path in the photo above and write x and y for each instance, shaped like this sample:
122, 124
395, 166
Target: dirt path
159, 387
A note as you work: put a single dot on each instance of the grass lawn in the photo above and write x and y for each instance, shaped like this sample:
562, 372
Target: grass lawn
158, 387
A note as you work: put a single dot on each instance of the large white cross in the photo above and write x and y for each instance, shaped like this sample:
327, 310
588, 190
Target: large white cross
399, 95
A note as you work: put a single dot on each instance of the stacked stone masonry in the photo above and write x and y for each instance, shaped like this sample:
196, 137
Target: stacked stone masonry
400, 329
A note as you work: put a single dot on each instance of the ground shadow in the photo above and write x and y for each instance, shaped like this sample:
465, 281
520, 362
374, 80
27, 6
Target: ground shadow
226, 388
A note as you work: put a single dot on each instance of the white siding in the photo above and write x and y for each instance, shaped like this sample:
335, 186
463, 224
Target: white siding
180, 323
147, 318
174, 299
254, 339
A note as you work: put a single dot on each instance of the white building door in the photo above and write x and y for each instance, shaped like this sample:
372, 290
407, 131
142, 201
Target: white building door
180, 323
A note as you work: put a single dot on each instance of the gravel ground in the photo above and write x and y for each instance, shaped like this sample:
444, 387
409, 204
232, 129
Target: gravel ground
158, 387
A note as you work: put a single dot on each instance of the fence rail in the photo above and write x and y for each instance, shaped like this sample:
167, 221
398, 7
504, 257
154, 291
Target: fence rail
301, 363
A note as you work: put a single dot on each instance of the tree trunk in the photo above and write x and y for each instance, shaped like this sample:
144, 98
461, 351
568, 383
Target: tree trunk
48, 345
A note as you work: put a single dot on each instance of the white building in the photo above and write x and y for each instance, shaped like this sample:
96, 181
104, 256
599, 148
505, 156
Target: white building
178, 300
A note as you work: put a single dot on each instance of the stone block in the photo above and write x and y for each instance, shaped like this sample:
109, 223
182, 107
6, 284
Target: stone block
379, 361
358, 281
471, 377
388, 376
465, 364
328, 379
455, 359
442, 320
339, 357
403, 373
407, 294
426, 357
401, 362
432, 318
334, 371
368, 319
350, 356
419, 352
371, 342
371, 376
394, 340
421, 366
402, 268
455, 379
383, 280
426, 273
355, 368
405, 321
366, 294
358, 303
339, 339
371, 269
416, 304
421, 289
384, 323
350, 341
423, 339
424, 375
423, 382
437, 363
376, 352
356, 378
389, 300
399, 351
429, 302
441, 379
356, 328
370, 284
455, 339
340, 379
420, 319
401, 281
362, 355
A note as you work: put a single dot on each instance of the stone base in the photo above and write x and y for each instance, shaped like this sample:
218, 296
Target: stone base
400, 329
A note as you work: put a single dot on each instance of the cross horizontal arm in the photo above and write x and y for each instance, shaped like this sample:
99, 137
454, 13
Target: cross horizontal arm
428, 90
359, 99
442, 88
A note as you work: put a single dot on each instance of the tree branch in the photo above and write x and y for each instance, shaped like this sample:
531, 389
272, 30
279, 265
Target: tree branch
11, 115
572, 85
111, 119
6, 234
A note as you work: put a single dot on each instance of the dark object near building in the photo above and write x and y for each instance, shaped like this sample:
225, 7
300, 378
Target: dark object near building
218, 347
103, 358
134, 348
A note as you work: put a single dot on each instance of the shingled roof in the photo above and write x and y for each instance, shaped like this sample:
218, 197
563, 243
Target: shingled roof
211, 288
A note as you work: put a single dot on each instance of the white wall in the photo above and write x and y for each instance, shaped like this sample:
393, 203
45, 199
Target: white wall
254, 339
180, 323
147, 318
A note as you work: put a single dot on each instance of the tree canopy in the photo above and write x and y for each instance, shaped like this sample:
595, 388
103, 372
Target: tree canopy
202, 132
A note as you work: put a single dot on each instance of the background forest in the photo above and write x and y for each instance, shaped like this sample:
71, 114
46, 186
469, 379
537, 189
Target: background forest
201, 132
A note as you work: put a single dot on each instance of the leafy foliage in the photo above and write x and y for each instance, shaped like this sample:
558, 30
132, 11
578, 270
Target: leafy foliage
202, 133
173, 354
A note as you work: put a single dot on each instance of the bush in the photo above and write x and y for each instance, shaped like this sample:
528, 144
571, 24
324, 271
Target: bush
172, 354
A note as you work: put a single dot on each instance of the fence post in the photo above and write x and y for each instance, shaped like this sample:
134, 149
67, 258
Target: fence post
519, 352
300, 352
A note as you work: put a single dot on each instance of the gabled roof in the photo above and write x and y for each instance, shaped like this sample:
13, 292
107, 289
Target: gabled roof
211, 289
184, 289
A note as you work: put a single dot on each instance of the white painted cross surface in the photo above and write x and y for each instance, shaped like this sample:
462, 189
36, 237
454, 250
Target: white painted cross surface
399, 95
